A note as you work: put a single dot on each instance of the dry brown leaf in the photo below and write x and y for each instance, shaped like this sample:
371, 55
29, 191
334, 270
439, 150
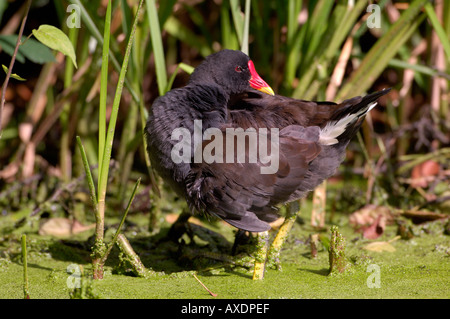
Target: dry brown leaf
376, 229
62, 227
421, 216
369, 214
420, 173
380, 246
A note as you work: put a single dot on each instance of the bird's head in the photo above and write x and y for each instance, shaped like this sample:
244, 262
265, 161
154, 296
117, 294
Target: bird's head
232, 70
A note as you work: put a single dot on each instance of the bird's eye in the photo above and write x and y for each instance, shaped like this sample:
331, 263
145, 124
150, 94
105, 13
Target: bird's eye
238, 69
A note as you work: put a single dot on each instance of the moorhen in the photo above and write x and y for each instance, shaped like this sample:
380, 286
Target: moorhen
226, 97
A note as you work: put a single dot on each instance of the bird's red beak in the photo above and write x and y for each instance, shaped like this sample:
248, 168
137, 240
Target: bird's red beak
257, 82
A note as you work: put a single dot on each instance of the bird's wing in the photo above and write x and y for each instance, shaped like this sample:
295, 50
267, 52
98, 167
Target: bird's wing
243, 192
255, 108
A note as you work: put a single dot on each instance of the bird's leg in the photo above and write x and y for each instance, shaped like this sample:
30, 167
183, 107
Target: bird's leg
273, 258
261, 255
180, 227
240, 238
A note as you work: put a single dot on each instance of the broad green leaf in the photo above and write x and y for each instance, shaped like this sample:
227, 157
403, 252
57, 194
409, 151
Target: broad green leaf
55, 39
7, 44
36, 52
30, 49
14, 76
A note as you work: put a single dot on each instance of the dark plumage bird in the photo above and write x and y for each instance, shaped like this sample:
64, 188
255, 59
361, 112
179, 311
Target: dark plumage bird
225, 92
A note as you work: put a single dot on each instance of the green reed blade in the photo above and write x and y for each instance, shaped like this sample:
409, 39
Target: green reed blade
158, 50
103, 89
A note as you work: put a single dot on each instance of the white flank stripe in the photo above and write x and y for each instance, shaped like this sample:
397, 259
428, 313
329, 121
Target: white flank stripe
331, 131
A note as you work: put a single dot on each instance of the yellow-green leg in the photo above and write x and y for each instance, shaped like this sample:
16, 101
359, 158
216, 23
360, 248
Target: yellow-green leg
261, 255
273, 258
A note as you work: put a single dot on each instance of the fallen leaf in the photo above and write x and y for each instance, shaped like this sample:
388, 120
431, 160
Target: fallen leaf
421, 216
62, 227
380, 246
420, 173
376, 229
77, 227
369, 214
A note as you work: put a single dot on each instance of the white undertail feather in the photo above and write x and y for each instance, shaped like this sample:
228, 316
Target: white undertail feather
331, 131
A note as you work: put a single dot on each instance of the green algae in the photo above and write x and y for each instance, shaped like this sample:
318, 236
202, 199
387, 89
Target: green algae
419, 268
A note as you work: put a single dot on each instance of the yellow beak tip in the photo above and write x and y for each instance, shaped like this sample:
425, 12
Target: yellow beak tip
267, 90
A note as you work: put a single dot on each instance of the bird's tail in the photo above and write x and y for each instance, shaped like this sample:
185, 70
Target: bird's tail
348, 117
